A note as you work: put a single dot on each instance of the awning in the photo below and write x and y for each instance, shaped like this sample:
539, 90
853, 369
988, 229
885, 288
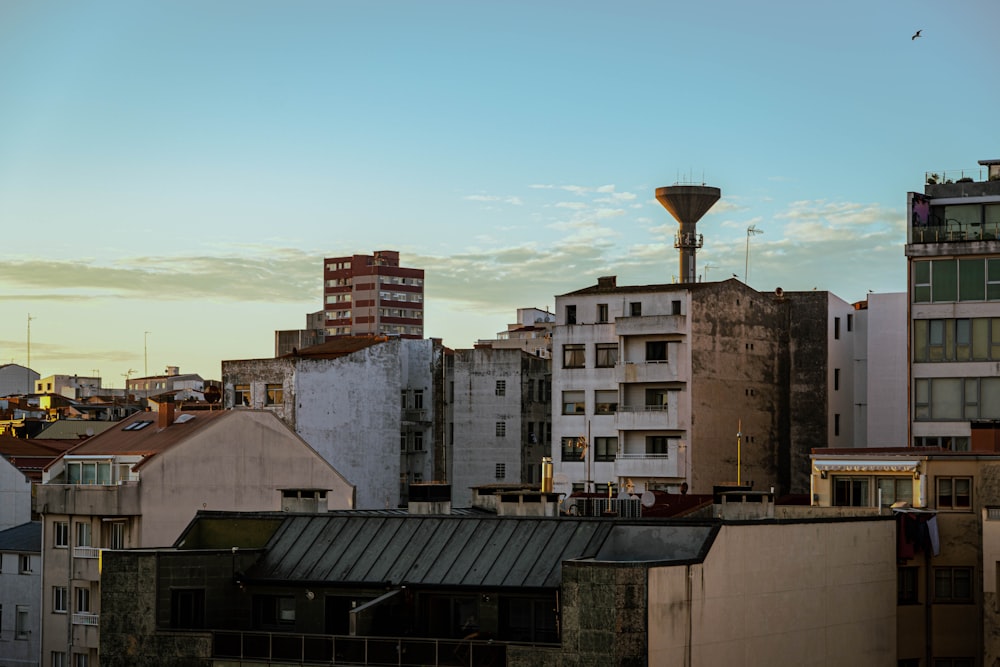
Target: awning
866, 466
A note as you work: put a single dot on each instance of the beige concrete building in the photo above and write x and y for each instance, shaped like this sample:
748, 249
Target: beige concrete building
140, 483
949, 542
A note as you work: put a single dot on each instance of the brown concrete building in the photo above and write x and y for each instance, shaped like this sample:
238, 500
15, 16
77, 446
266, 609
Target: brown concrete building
372, 294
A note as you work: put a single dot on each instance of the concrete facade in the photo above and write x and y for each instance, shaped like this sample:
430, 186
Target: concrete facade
69, 386
15, 496
947, 592
881, 418
374, 410
20, 582
953, 279
16, 380
656, 381
372, 295
500, 412
234, 460
532, 333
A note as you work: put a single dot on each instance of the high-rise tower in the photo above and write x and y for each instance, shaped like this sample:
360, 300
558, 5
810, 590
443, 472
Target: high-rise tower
371, 295
687, 203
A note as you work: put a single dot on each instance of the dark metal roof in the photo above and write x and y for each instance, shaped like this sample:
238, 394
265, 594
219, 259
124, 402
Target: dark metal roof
26, 538
441, 551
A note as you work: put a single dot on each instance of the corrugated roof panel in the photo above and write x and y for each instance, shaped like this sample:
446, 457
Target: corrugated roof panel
300, 548
403, 531
504, 545
454, 544
468, 553
405, 568
530, 555
361, 554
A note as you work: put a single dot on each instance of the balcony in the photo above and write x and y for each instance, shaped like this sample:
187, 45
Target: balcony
647, 418
651, 325
94, 499
638, 466
86, 619
86, 552
647, 371
415, 415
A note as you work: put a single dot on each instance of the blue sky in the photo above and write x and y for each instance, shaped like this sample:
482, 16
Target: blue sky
183, 167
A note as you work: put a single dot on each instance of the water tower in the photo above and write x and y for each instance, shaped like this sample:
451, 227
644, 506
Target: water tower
687, 203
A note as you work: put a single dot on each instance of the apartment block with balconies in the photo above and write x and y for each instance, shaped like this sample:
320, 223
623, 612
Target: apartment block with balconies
660, 386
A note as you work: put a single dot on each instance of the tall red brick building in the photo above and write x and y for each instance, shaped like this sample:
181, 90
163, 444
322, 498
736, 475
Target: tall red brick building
372, 294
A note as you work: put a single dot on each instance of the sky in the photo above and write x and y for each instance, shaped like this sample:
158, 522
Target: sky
172, 173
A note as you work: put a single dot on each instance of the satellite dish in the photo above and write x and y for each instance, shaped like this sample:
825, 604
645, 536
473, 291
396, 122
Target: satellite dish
89, 431
648, 499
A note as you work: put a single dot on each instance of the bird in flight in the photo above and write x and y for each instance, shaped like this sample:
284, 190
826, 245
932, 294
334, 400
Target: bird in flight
916, 34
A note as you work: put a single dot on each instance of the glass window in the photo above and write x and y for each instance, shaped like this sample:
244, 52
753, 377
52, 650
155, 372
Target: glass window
82, 600
573, 403
605, 448
954, 493
83, 535
573, 449
60, 599
921, 282
607, 355
657, 444
501, 471
501, 388
895, 489
57, 659
21, 629
971, 280
851, 491
602, 312
946, 398
570, 314
944, 280
241, 394
605, 401
275, 394
656, 350
635, 308
908, 585
61, 533
573, 355
953, 584
501, 429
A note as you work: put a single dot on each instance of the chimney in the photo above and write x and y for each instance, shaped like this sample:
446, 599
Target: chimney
165, 414
607, 281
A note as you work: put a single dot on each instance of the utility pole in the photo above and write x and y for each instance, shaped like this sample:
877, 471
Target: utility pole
28, 372
751, 231
145, 353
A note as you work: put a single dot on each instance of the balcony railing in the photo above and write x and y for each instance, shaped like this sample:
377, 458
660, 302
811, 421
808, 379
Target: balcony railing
265, 647
86, 552
993, 513
86, 619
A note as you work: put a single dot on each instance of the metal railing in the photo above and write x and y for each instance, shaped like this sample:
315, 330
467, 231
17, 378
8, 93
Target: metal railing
86, 552
81, 618
643, 408
993, 513
347, 650
644, 456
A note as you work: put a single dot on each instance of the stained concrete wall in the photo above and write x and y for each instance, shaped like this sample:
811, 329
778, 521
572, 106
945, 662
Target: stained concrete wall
16, 379
477, 409
888, 402
15, 496
18, 589
780, 594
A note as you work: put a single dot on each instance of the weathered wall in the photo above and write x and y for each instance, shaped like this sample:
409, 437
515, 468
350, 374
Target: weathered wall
15, 496
129, 637
17, 589
780, 594
736, 386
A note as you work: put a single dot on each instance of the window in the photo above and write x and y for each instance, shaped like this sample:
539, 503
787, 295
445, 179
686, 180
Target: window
907, 585
895, 489
82, 600
953, 584
675, 307
602, 312
81, 660
402, 441
954, 493
501, 429
607, 355
501, 471
656, 350
60, 535
402, 399
850, 322
572, 402
658, 399
95, 472
635, 308
60, 599
836, 424
418, 399
83, 535
275, 394
21, 629
605, 401
605, 489
605, 449
116, 535
187, 608
272, 610
657, 444
573, 449
418, 441
570, 314
241, 394
850, 491
953, 662
57, 659
24, 563
836, 328
836, 379
501, 388
573, 355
